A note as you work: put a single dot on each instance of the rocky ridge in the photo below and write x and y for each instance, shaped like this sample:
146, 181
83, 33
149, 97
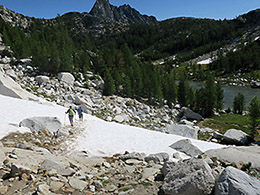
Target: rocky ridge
123, 14
103, 18
14, 19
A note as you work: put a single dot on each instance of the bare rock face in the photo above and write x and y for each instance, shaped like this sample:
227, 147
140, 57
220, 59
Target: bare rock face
193, 176
123, 14
182, 130
9, 87
13, 18
237, 154
237, 137
35, 124
234, 181
187, 147
66, 77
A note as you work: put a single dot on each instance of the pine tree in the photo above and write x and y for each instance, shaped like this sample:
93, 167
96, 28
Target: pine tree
239, 104
170, 88
127, 86
109, 88
254, 113
183, 91
211, 97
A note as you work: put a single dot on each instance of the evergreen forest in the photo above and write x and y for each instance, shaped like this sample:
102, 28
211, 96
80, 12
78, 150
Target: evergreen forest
125, 59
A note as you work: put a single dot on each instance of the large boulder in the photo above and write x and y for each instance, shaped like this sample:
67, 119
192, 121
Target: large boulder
59, 167
36, 124
66, 77
189, 114
11, 73
237, 155
79, 100
237, 137
42, 79
193, 176
234, 181
157, 158
182, 130
186, 147
9, 87
134, 155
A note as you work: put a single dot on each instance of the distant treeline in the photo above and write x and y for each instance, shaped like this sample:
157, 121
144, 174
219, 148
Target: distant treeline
124, 60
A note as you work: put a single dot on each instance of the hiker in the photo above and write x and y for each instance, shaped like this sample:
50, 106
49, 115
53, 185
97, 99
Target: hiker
80, 112
71, 113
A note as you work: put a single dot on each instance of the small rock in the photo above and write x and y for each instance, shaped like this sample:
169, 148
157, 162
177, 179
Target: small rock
92, 188
77, 184
3, 189
133, 162
157, 158
56, 186
106, 164
98, 185
127, 192
110, 187
12, 156
134, 155
24, 177
43, 189
23, 146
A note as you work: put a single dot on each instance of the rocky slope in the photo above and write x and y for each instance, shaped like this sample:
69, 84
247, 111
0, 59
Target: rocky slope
15, 19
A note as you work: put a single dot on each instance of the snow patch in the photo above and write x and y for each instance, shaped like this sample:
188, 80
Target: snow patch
99, 138
207, 61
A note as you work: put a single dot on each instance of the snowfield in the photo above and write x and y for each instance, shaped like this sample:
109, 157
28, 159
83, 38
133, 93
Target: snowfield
99, 138
204, 62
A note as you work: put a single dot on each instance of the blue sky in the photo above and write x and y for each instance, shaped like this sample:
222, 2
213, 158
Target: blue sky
161, 9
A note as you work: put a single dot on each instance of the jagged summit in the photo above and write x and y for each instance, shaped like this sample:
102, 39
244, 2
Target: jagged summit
123, 14
102, 8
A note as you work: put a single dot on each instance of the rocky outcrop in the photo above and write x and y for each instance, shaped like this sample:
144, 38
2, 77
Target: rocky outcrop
237, 137
66, 77
159, 158
36, 124
186, 147
189, 114
182, 130
250, 154
234, 181
13, 18
192, 176
42, 79
9, 87
123, 14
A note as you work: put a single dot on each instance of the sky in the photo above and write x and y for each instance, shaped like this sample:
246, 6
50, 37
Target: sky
161, 9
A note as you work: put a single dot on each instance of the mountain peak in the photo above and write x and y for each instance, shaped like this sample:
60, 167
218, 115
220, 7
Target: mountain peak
124, 14
102, 8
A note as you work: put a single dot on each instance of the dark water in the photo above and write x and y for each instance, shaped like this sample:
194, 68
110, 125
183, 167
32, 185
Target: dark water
230, 92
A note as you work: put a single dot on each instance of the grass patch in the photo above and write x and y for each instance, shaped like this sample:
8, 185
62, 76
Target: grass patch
229, 121
145, 184
204, 136
225, 122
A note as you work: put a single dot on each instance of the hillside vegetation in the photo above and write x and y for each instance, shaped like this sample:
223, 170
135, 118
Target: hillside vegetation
126, 59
